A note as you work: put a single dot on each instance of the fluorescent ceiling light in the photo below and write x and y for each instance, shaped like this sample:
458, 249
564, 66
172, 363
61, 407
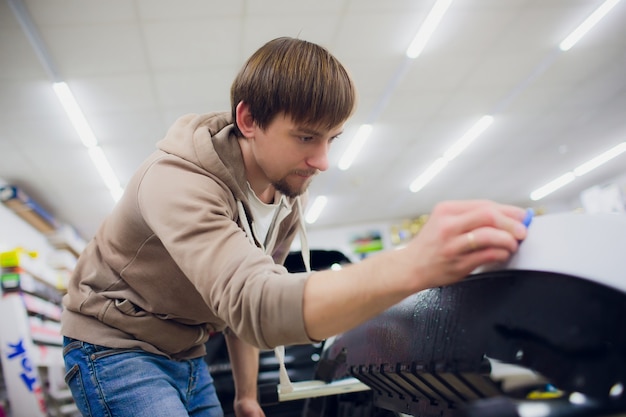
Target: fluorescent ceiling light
455, 150
75, 114
600, 159
579, 171
460, 145
106, 172
430, 173
552, 186
65, 96
428, 27
355, 146
316, 209
586, 26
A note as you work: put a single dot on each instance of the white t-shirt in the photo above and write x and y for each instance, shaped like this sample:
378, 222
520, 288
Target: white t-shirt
262, 214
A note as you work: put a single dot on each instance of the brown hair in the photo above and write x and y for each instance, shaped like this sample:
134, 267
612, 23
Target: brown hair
298, 78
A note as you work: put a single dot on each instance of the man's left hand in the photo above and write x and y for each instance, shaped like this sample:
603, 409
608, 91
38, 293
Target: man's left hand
248, 408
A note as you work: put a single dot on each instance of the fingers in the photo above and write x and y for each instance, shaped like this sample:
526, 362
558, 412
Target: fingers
463, 235
486, 256
462, 207
482, 246
468, 216
482, 231
486, 238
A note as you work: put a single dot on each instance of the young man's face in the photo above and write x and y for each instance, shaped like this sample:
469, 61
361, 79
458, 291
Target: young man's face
290, 155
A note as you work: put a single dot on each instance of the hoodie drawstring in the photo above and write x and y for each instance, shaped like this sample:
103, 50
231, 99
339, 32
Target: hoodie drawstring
244, 222
304, 243
285, 386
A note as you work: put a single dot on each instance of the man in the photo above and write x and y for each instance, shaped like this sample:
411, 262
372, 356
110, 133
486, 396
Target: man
196, 244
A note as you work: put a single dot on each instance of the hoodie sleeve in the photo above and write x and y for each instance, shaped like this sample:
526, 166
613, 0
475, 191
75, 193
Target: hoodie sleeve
194, 216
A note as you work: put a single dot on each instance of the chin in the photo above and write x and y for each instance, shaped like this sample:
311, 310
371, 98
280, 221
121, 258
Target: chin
290, 191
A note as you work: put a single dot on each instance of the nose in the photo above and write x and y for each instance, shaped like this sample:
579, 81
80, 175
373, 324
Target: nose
319, 158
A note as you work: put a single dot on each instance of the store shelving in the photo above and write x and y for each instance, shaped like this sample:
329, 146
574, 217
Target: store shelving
27, 208
31, 341
31, 288
32, 283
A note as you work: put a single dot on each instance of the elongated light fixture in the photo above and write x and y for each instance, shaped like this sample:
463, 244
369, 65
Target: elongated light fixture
106, 172
425, 31
75, 114
587, 25
460, 145
316, 209
452, 152
600, 160
430, 173
65, 96
413, 51
87, 137
579, 171
552, 186
355, 146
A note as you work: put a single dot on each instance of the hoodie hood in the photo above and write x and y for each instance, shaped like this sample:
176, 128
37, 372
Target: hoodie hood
207, 141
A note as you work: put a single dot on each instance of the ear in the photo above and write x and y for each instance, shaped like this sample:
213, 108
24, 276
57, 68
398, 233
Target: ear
244, 120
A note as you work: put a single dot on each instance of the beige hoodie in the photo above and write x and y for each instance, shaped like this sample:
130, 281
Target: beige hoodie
175, 261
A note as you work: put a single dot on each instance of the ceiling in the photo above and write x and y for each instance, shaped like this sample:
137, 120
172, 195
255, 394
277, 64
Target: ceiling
136, 65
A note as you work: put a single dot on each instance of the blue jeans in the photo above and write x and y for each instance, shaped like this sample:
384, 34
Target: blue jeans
108, 382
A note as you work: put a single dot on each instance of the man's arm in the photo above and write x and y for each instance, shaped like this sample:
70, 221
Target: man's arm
458, 238
244, 360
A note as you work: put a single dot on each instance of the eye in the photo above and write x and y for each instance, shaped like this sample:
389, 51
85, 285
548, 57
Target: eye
306, 139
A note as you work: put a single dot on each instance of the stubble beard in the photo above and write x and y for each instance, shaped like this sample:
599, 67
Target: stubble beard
283, 186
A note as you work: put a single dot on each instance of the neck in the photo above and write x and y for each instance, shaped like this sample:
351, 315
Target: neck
261, 186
